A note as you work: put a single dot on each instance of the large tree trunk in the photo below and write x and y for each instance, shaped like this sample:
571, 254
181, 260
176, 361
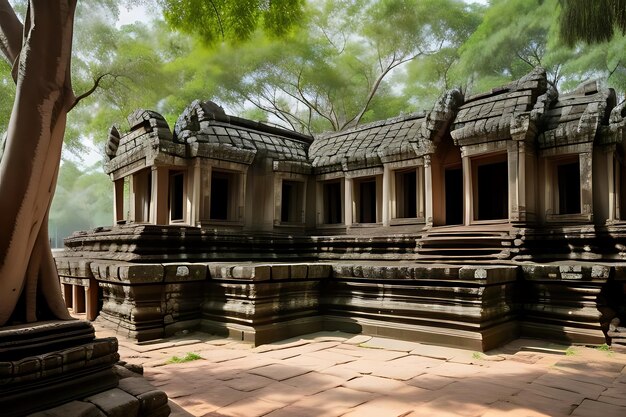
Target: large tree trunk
29, 166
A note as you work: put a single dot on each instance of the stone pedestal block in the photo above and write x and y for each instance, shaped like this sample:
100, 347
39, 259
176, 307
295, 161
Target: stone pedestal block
471, 307
149, 301
561, 302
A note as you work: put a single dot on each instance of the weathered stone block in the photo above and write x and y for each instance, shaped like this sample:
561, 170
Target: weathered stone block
116, 403
319, 271
184, 272
299, 271
252, 272
151, 400
136, 386
488, 274
141, 273
279, 272
437, 273
73, 409
27, 366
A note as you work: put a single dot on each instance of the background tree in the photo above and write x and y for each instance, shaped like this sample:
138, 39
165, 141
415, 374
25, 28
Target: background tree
340, 67
591, 21
39, 53
232, 20
516, 35
82, 200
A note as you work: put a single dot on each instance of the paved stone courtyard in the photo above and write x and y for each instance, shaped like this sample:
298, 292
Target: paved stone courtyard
339, 374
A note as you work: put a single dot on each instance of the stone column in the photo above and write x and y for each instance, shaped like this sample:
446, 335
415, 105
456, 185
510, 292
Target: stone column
347, 200
586, 190
467, 189
521, 183
160, 195
386, 194
194, 196
118, 200
428, 185
611, 185
514, 186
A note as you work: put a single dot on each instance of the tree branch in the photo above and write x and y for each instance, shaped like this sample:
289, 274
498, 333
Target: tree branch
11, 34
94, 87
219, 18
395, 63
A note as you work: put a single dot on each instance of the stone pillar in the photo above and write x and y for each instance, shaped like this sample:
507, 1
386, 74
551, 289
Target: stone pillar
528, 182
348, 203
611, 185
467, 189
67, 295
160, 195
241, 199
428, 185
586, 190
91, 300
514, 185
386, 195
521, 182
78, 298
118, 200
194, 196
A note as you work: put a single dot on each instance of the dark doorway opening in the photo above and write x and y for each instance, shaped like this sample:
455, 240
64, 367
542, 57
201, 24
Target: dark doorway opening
177, 195
493, 191
291, 202
406, 194
367, 201
332, 202
454, 195
219, 196
569, 188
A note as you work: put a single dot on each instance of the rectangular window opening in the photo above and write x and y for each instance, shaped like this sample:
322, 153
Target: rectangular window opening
366, 200
453, 188
291, 202
406, 194
332, 202
492, 183
568, 177
220, 192
177, 196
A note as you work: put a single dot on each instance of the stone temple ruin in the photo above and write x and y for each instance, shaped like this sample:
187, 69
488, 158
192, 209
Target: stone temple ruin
490, 217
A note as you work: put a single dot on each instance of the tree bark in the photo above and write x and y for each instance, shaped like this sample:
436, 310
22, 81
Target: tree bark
29, 166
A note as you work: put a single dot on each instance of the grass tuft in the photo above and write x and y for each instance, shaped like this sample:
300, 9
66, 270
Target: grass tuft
190, 356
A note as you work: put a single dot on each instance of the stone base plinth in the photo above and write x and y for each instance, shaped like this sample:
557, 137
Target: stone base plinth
59, 368
132, 397
51, 363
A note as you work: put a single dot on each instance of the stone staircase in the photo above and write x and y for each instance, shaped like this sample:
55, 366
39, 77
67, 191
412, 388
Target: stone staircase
467, 245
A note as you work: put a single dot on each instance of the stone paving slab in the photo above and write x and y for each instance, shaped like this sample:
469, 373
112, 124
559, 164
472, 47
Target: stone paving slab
336, 374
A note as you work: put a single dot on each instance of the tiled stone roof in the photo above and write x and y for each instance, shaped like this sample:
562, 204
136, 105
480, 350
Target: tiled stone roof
361, 147
149, 137
396, 139
203, 129
526, 109
491, 116
577, 117
219, 135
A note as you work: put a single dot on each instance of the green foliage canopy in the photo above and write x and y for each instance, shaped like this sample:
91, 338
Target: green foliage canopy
517, 35
232, 20
340, 66
594, 21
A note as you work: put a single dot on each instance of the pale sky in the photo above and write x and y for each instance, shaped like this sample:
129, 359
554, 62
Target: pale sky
132, 15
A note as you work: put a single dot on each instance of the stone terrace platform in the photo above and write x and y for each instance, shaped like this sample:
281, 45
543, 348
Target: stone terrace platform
339, 374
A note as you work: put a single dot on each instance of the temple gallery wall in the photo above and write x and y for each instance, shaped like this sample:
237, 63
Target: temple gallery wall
485, 218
